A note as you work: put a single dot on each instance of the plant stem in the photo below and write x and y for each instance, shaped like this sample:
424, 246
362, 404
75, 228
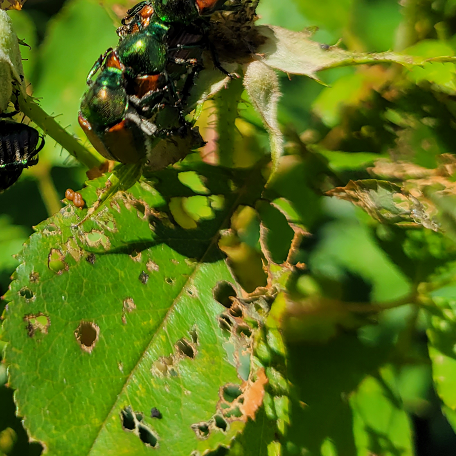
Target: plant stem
47, 189
48, 124
226, 103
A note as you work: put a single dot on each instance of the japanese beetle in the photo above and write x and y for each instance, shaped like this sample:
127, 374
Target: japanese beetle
133, 103
127, 141
136, 19
134, 139
188, 18
106, 102
108, 118
168, 11
144, 52
18, 150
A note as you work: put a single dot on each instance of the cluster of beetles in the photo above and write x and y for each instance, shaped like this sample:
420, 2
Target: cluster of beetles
137, 92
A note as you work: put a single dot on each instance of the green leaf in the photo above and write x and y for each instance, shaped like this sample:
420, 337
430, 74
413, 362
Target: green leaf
343, 161
440, 75
118, 319
325, 377
442, 340
226, 103
380, 424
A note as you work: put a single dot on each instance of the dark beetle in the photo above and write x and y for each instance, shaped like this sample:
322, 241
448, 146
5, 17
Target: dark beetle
18, 150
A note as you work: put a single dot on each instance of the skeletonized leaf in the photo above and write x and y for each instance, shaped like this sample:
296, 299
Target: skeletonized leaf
385, 202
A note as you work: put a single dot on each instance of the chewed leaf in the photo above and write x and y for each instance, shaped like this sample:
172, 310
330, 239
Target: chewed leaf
262, 86
385, 202
294, 53
144, 322
11, 71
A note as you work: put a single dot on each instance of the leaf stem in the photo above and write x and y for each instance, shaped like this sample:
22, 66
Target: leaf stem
48, 124
226, 103
47, 189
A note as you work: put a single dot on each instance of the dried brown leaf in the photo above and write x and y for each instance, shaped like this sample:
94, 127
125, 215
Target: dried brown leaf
253, 395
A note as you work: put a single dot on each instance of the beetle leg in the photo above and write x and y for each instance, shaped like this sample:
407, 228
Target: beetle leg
96, 66
147, 127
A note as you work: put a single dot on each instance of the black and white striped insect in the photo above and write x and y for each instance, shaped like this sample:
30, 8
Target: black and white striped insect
18, 150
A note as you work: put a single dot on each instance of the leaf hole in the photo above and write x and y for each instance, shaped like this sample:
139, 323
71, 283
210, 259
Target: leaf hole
91, 258
194, 335
220, 423
128, 421
225, 323
147, 436
26, 293
184, 348
97, 238
236, 310
243, 330
163, 366
136, 256
191, 291
143, 277
201, 430
231, 392
56, 261
235, 412
140, 207
37, 322
51, 228
223, 293
169, 280
34, 277
87, 335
